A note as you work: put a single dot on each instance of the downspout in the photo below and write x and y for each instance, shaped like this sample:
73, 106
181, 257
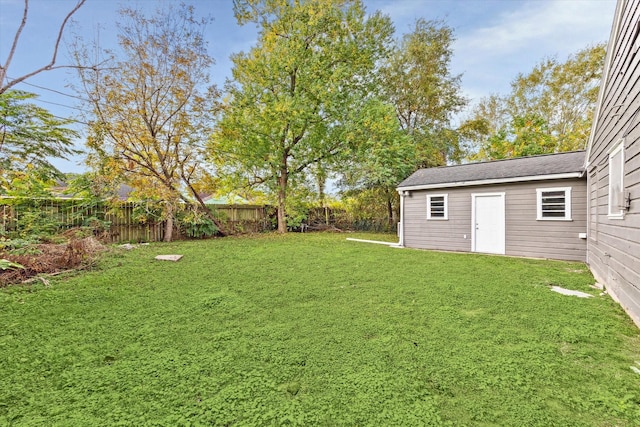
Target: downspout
401, 223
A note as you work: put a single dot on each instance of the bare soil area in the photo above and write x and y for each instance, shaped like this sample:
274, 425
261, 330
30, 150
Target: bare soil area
50, 259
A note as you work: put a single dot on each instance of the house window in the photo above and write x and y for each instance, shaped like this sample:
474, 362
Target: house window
437, 206
616, 180
554, 204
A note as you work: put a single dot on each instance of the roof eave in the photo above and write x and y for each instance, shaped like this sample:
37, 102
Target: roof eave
567, 175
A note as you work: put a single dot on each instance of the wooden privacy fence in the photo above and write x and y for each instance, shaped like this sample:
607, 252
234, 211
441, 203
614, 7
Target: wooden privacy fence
115, 222
243, 218
319, 217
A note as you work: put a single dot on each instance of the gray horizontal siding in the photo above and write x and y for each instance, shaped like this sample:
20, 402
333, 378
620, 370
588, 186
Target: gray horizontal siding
525, 235
614, 244
438, 234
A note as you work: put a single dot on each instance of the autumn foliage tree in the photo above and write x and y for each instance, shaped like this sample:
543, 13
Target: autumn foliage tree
152, 109
291, 94
548, 110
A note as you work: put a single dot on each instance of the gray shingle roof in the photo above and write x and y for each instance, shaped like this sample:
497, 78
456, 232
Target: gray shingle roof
510, 169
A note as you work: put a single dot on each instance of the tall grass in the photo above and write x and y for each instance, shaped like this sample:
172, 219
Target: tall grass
316, 330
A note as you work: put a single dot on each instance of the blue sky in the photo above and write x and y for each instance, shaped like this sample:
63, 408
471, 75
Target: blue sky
495, 39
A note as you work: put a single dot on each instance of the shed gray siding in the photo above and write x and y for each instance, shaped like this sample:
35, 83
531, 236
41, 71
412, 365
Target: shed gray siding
614, 244
524, 234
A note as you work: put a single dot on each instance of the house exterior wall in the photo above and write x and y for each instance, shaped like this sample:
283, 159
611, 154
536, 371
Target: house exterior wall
614, 242
524, 234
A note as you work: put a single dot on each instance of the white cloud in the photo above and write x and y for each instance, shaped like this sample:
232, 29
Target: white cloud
560, 24
496, 40
491, 55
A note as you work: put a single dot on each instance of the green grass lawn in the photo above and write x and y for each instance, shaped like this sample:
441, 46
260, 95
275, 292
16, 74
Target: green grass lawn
316, 330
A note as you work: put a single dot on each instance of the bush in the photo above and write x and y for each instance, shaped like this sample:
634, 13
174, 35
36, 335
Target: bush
196, 224
38, 221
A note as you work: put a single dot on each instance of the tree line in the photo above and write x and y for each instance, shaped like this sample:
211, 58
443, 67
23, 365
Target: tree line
327, 95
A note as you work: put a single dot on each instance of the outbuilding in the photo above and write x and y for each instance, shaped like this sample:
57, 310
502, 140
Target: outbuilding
570, 206
531, 206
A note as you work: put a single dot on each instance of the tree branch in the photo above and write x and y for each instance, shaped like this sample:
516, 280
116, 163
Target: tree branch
186, 178
3, 70
50, 65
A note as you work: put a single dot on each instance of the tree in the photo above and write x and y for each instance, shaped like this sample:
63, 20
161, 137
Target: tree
528, 136
410, 127
417, 80
29, 137
151, 117
384, 154
5, 82
488, 117
548, 110
291, 93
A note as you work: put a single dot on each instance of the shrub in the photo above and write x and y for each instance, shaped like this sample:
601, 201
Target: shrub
195, 223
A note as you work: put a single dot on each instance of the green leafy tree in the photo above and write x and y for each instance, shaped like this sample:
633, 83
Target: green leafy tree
528, 136
30, 137
548, 110
412, 128
151, 108
291, 94
563, 95
488, 118
417, 80
384, 154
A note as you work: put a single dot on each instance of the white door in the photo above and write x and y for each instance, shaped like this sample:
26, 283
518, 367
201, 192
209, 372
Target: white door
488, 223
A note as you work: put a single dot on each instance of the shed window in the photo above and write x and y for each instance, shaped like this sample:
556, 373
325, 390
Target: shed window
554, 203
616, 181
437, 206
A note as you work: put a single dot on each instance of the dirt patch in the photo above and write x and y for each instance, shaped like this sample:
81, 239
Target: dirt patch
50, 258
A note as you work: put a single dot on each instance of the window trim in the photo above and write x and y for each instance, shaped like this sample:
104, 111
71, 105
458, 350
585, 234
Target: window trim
617, 148
567, 204
446, 207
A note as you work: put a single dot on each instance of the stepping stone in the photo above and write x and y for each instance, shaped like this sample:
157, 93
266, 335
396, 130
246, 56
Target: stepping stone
564, 291
129, 246
173, 258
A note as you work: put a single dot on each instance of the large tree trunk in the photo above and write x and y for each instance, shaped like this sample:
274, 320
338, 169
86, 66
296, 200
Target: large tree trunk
389, 208
282, 199
321, 183
168, 224
206, 209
